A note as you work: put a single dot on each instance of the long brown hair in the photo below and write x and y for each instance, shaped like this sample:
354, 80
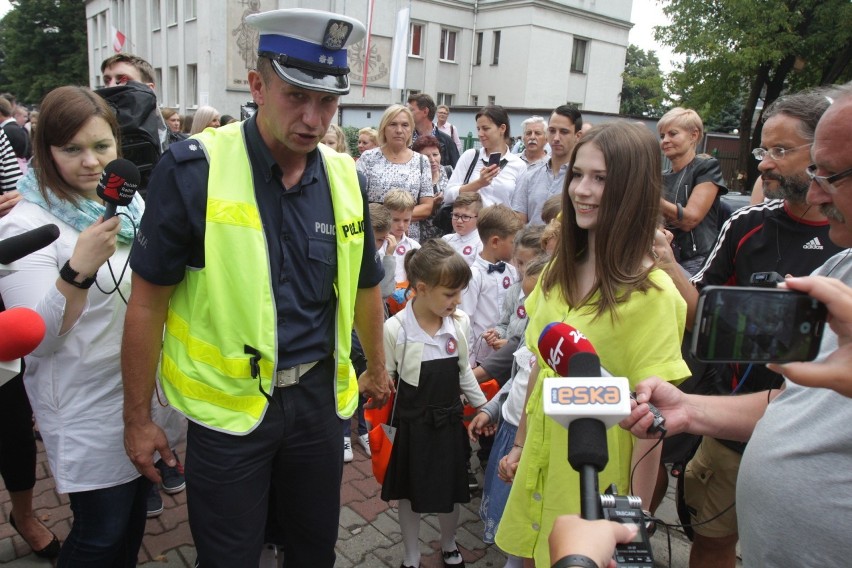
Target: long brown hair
64, 111
627, 218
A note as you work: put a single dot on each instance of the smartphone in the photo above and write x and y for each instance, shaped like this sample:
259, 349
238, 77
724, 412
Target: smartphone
736, 324
494, 159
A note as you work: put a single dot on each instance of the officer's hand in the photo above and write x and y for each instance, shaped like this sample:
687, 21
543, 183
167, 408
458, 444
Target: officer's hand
376, 385
141, 440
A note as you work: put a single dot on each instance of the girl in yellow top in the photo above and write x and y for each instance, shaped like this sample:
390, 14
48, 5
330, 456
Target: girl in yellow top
604, 282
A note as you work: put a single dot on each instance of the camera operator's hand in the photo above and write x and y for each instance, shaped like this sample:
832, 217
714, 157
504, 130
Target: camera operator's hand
595, 539
668, 399
833, 371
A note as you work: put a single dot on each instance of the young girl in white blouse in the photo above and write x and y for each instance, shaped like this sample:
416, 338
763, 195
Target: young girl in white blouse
426, 346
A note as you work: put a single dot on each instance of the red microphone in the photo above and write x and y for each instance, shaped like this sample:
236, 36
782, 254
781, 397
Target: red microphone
559, 343
21, 331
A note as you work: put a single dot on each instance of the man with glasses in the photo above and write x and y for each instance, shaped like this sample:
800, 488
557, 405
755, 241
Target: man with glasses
547, 178
792, 503
784, 235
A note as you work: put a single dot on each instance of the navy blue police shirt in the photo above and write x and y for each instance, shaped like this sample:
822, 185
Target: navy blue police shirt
298, 223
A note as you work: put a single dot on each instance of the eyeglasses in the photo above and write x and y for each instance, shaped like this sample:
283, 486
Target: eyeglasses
775, 153
463, 218
826, 182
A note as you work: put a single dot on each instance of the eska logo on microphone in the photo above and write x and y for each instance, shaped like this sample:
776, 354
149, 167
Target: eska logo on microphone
586, 395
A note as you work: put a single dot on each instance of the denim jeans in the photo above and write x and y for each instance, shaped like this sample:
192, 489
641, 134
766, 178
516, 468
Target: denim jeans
108, 526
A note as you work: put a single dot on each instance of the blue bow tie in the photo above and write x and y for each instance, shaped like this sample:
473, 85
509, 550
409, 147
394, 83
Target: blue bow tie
499, 267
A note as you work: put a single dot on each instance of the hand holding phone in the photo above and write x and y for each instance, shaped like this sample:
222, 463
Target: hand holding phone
737, 324
494, 159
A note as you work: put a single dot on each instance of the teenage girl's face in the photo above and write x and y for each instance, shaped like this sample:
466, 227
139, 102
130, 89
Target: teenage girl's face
587, 185
330, 139
174, 122
490, 135
81, 160
523, 256
438, 300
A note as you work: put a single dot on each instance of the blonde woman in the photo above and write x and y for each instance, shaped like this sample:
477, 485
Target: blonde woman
205, 116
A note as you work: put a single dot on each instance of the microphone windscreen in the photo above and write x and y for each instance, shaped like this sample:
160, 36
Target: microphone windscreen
119, 181
558, 342
21, 330
19, 246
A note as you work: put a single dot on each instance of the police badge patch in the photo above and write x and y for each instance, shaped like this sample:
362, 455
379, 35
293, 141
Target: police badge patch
336, 34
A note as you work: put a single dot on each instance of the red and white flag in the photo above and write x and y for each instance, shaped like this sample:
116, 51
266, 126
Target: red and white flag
118, 40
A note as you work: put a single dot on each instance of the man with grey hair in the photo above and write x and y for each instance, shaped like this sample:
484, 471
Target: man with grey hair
547, 177
533, 134
784, 235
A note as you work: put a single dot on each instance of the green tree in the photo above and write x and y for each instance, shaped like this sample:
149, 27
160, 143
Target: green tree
43, 46
748, 50
642, 92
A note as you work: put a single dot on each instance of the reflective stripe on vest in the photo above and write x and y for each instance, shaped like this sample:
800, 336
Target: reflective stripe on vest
218, 310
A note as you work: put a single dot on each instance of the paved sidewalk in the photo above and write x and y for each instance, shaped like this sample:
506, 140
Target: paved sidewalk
368, 535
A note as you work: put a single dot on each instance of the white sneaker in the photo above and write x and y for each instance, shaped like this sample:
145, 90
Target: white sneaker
364, 440
347, 450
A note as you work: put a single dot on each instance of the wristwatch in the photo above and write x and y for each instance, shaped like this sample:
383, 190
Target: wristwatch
70, 275
575, 560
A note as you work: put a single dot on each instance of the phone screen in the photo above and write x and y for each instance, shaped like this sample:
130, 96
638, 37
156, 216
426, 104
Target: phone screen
757, 325
494, 159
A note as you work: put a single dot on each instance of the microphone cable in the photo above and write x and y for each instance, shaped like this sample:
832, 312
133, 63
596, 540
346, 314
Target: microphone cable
117, 281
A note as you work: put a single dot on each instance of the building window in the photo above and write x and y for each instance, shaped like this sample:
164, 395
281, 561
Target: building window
495, 49
189, 10
158, 76
192, 86
103, 30
448, 45
445, 99
174, 87
492, 100
477, 58
155, 15
172, 12
407, 93
474, 100
578, 56
416, 35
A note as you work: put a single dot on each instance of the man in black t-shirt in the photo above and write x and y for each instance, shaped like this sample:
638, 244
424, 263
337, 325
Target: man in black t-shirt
783, 235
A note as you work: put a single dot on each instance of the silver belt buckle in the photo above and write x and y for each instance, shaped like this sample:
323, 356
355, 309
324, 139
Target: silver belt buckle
289, 377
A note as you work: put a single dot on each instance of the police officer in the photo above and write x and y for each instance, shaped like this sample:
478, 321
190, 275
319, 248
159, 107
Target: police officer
257, 255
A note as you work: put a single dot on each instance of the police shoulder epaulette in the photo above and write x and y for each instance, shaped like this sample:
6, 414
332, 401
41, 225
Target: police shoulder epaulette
187, 150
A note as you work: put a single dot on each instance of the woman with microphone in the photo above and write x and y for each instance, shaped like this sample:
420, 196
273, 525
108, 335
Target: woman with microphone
603, 281
77, 285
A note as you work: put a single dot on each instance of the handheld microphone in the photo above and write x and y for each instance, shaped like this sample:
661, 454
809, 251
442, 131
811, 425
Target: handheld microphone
119, 181
21, 331
19, 246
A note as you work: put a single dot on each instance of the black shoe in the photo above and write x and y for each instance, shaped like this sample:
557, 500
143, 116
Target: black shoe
49, 551
154, 502
453, 554
472, 482
173, 479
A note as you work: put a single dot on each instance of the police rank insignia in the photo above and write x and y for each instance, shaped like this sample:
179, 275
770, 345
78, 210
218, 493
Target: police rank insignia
336, 34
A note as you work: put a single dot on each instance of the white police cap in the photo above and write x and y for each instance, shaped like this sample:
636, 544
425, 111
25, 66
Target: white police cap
307, 48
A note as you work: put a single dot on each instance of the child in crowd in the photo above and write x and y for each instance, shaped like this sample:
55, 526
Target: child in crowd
551, 208
401, 207
380, 220
492, 275
550, 236
426, 346
465, 240
513, 317
504, 416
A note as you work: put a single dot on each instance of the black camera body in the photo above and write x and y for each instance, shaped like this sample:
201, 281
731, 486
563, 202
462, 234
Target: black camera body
628, 509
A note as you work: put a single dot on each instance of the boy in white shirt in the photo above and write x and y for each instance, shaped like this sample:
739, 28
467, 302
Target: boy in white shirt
465, 240
492, 275
401, 206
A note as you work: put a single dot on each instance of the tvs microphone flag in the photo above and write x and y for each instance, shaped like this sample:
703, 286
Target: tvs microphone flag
119, 181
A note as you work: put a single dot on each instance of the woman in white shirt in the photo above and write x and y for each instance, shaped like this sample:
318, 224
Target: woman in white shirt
495, 183
73, 377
